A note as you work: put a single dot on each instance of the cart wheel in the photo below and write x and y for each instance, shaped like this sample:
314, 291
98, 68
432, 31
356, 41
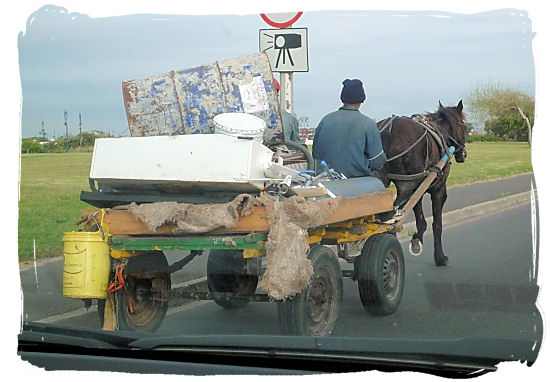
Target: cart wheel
143, 305
380, 272
314, 311
225, 274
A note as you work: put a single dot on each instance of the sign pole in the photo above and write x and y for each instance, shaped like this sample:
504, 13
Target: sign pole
287, 95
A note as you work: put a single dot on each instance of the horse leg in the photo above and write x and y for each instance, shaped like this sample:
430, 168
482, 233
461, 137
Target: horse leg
438, 200
421, 225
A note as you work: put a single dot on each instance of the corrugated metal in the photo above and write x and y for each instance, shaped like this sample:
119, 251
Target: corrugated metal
186, 101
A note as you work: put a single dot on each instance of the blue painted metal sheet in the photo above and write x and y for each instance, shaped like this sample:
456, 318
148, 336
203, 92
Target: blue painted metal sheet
186, 101
354, 186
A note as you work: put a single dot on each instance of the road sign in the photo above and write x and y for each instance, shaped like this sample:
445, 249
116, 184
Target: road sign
285, 48
281, 20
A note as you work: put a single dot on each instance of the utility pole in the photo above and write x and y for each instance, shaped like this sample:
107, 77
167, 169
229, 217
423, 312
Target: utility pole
42, 132
66, 129
80, 129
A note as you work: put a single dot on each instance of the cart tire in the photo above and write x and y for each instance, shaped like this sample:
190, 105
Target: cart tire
380, 273
314, 311
225, 274
143, 306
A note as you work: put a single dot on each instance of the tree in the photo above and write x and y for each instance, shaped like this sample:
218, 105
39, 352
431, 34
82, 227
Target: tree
505, 111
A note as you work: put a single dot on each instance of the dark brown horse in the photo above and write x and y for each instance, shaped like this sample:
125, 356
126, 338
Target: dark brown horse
413, 146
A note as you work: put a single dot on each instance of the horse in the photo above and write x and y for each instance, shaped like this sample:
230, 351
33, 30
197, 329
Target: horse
413, 146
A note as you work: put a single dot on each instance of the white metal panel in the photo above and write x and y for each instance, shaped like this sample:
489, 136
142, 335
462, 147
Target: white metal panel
212, 161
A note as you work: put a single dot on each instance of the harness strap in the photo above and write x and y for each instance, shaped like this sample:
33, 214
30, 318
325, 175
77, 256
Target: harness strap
410, 147
436, 134
428, 128
420, 175
389, 123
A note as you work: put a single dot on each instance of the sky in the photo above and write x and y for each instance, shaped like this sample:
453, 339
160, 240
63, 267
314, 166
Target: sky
408, 61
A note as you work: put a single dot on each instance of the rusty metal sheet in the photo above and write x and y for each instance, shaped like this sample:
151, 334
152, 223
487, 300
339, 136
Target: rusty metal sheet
151, 106
186, 101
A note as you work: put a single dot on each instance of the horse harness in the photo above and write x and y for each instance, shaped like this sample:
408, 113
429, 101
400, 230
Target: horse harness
428, 129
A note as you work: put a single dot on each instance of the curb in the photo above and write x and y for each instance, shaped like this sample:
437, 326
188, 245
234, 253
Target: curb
470, 212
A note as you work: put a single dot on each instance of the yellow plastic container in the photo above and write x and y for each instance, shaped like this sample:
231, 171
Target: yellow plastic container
86, 266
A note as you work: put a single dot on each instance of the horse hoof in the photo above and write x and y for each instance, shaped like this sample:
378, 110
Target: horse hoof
415, 247
444, 261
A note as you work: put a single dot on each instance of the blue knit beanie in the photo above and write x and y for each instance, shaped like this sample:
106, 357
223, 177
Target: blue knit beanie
352, 92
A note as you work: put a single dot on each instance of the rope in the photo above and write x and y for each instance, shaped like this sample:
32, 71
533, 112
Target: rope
419, 175
409, 149
119, 283
428, 128
388, 123
99, 224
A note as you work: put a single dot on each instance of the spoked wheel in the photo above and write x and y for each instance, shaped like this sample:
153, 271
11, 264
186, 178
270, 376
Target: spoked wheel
380, 272
314, 311
143, 305
225, 271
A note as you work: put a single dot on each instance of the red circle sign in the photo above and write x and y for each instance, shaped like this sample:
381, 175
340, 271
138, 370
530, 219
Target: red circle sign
278, 23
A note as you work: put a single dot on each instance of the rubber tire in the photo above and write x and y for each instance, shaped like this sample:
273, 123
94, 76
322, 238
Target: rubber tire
294, 313
369, 271
225, 274
156, 313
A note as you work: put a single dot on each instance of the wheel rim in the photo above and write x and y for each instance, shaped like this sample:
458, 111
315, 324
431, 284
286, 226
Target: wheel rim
321, 304
390, 275
144, 303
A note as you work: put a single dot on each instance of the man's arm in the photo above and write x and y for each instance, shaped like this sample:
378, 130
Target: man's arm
317, 131
374, 150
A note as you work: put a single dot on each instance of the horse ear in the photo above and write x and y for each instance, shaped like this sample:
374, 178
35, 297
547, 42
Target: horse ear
459, 107
441, 106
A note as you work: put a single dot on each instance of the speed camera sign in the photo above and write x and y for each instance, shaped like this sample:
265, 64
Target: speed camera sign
285, 48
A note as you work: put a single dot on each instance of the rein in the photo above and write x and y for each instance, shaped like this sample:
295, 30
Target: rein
428, 128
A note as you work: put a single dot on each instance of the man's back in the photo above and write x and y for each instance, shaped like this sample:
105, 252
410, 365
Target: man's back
343, 138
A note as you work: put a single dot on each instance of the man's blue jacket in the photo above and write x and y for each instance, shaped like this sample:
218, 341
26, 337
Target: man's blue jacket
349, 142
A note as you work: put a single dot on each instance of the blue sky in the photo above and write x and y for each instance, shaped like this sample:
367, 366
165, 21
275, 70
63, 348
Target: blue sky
407, 60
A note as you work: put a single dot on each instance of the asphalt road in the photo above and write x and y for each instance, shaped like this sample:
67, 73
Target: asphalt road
488, 291
42, 286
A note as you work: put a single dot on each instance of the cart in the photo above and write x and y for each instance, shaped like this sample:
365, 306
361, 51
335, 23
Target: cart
140, 287
123, 266
234, 265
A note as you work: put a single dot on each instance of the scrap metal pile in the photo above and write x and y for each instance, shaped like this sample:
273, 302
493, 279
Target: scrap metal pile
173, 153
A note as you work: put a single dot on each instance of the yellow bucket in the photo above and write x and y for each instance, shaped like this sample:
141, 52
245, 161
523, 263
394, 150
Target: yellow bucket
86, 266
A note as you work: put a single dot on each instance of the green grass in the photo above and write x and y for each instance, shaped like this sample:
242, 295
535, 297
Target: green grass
51, 185
491, 160
49, 201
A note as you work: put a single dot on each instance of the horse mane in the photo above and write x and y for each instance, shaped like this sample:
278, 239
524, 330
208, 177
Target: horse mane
446, 113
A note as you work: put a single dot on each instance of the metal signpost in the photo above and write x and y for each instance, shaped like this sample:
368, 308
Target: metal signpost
287, 50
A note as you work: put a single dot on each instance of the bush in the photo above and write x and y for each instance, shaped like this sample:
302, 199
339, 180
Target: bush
485, 138
84, 142
31, 145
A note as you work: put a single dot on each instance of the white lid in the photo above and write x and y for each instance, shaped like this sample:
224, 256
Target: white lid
240, 123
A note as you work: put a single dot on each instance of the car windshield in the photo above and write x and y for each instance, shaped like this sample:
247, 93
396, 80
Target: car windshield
356, 184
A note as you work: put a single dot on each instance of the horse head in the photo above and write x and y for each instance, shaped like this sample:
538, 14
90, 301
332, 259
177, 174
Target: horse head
453, 126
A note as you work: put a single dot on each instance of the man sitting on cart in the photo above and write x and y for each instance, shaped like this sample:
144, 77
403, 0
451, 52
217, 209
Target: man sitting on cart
347, 140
